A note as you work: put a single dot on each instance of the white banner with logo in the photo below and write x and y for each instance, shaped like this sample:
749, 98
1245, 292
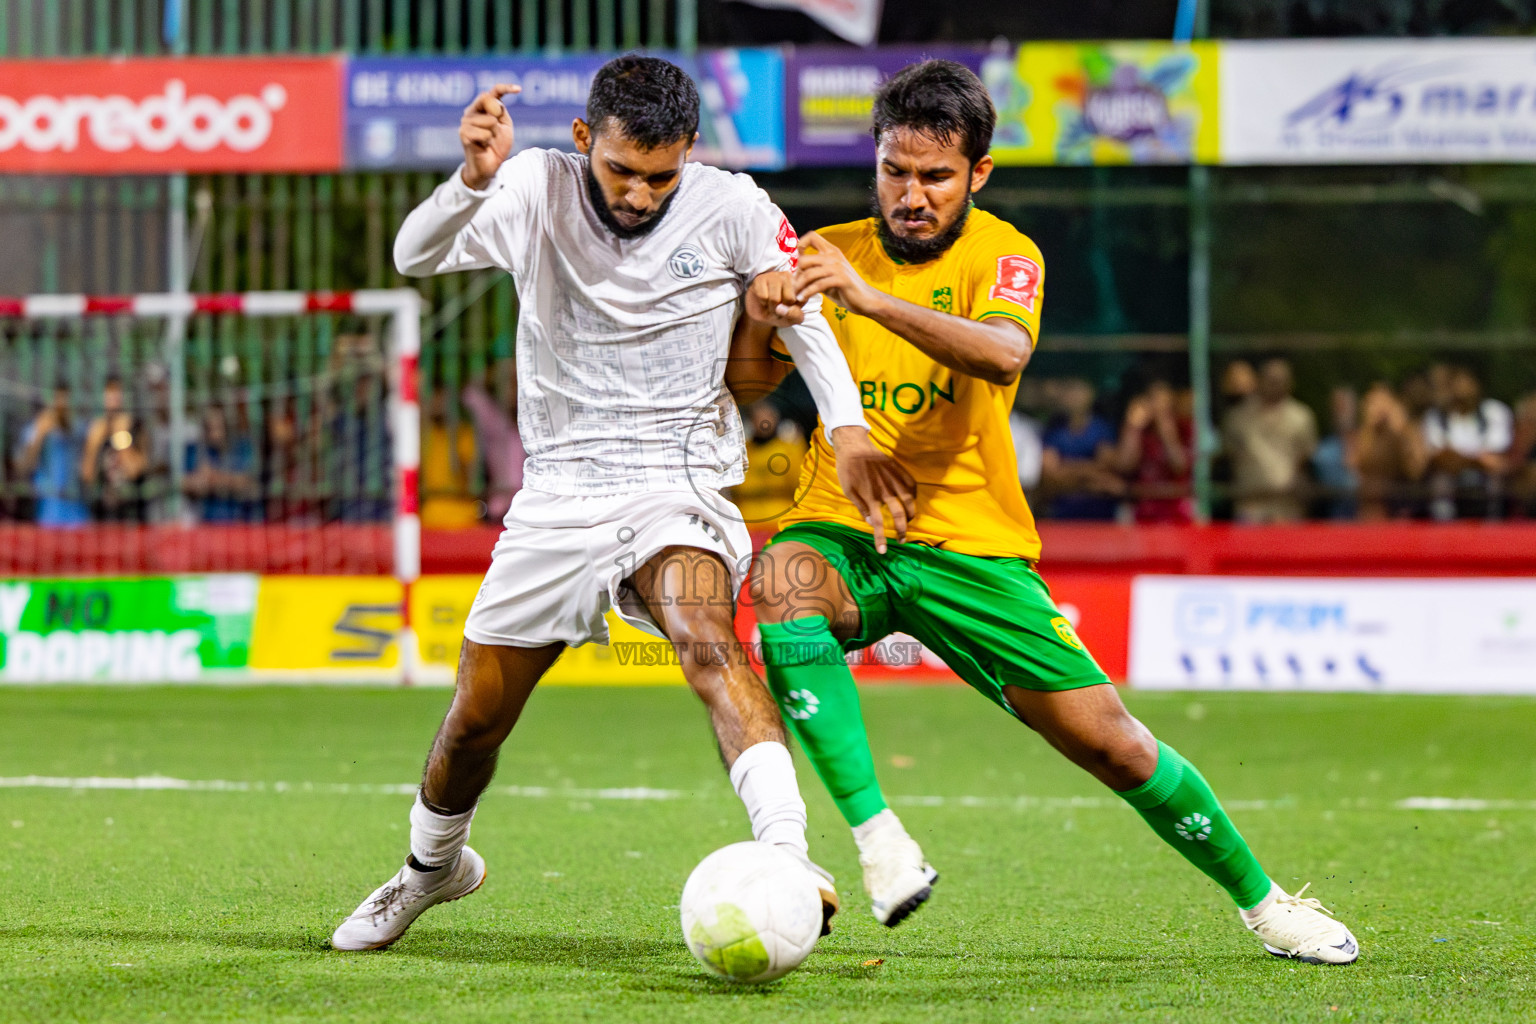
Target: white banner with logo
1378, 101
1397, 635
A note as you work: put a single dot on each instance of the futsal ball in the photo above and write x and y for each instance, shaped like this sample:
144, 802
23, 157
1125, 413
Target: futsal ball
751, 912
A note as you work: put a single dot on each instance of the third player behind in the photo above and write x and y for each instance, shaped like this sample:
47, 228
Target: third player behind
937, 306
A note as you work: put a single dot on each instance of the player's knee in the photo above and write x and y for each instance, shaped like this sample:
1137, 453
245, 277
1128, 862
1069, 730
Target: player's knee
1122, 755
704, 639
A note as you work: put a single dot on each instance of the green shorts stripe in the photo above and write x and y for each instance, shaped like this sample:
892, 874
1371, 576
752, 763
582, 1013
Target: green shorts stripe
991, 620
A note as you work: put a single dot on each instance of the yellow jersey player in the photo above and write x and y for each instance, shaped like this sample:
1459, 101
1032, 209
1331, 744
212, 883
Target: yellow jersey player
937, 308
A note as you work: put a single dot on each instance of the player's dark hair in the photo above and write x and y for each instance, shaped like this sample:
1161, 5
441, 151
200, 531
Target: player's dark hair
647, 100
942, 100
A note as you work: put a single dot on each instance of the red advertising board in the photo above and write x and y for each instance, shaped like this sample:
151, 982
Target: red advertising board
157, 115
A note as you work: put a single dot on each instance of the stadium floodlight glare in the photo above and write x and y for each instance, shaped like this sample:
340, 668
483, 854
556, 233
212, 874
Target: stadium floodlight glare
401, 310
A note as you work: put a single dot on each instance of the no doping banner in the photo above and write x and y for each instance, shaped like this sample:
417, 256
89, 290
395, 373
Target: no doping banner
126, 630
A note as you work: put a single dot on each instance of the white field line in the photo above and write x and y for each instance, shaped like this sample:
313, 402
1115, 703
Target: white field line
1018, 803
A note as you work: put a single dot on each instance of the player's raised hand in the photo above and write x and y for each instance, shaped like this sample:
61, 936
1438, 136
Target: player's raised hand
485, 131
874, 482
771, 300
824, 270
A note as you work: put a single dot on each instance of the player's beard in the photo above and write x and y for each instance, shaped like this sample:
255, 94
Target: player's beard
916, 250
604, 214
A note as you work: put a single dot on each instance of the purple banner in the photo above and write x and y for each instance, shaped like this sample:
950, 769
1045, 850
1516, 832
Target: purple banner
829, 92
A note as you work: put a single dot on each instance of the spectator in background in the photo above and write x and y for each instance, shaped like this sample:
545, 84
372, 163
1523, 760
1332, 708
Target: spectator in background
500, 444
1522, 458
448, 501
1269, 439
220, 473
1333, 463
1078, 458
1156, 454
116, 458
50, 453
1467, 437
359, 469
1389, 456
775, 451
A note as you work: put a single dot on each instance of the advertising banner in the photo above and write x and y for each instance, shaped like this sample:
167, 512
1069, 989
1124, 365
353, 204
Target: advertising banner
126, 630
155, 115
327, 627
1392, 635
1379, 101
1107, 103
830, 92
403, 112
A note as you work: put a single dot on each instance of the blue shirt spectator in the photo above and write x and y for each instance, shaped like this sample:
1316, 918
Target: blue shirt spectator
221, 474
1078, 445
51, 453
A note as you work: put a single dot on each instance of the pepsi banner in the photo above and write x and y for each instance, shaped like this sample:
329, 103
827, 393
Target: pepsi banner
403, 112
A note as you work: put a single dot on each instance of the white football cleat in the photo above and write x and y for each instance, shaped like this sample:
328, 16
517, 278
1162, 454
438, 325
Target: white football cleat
1301, 929
896, 877
383, 917
825, 883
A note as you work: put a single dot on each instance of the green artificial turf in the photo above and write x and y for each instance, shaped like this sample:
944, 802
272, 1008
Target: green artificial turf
1056, 903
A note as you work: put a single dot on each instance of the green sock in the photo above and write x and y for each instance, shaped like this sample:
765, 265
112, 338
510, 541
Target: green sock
1179, 805
815, 690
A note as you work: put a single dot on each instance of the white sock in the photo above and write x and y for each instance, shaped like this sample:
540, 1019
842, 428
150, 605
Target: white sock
864, 831
764, 777
1249, 916
436, 839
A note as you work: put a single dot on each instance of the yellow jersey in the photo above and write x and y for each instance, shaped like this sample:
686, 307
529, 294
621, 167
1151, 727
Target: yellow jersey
948, 429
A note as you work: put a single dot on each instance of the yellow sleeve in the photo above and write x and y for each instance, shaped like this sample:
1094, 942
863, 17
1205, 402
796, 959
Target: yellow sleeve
1008, 280
778, 350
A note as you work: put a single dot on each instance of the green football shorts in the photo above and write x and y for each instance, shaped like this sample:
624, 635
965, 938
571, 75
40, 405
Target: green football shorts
992, 620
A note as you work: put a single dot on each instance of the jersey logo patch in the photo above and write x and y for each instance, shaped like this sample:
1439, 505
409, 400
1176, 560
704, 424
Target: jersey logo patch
686, 262
788, 242
1018, 280
944, 299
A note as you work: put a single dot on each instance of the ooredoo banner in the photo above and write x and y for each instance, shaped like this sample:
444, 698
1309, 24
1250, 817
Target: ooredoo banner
1378, 101
157, 115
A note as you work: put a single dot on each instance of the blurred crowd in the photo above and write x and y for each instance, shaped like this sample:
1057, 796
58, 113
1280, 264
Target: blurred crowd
297, 452
1431, 446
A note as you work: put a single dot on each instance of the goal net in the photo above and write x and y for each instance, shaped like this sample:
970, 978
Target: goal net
270, 433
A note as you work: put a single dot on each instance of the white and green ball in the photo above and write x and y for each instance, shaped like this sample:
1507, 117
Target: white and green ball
751, 912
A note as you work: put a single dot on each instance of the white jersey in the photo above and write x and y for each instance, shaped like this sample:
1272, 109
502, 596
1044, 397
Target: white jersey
622, 343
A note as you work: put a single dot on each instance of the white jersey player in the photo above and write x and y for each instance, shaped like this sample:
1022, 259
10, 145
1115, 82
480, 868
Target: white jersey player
632, 266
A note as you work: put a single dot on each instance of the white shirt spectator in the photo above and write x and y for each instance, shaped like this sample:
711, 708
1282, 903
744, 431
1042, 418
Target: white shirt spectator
1488, 431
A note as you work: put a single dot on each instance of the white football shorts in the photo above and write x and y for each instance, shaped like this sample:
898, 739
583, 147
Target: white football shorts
560, 562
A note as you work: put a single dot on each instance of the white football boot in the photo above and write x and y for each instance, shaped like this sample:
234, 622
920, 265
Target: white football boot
1301, 929
825, 883
896, 877
383, 917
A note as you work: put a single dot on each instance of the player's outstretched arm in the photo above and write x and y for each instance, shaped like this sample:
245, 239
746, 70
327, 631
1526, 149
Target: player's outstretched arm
433, 238
996, 349
751, 371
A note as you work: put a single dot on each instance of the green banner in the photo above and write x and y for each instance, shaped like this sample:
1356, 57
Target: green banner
125, 630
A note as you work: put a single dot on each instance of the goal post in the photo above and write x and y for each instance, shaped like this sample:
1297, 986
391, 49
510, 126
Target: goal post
75, 344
